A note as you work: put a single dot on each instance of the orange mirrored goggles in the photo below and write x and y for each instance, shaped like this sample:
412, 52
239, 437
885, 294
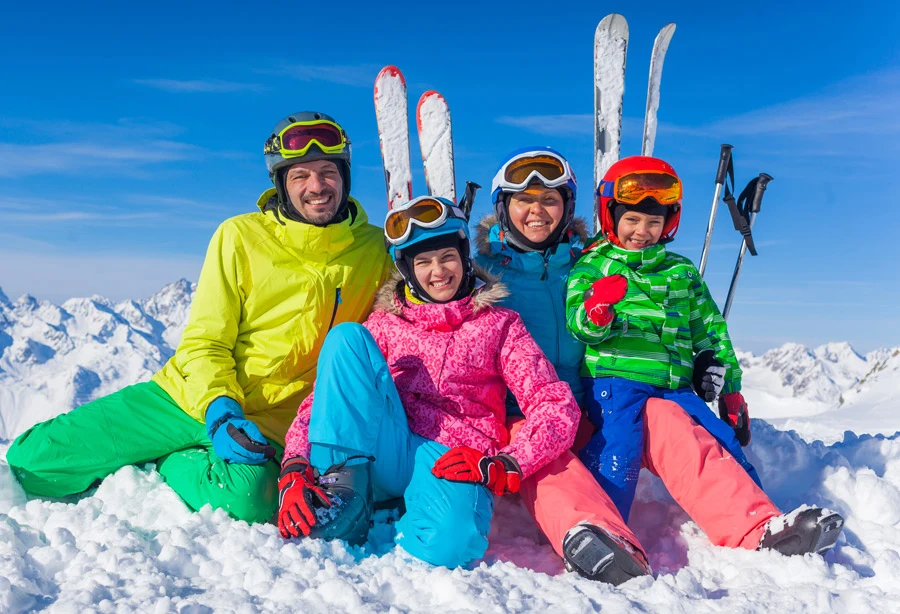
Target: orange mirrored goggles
632, 188
424, 212
550, 170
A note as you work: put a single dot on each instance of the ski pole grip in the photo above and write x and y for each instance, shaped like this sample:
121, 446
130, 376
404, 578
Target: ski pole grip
724, 159
764, 178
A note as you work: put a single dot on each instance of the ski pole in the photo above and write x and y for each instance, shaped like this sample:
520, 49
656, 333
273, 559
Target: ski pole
725, 164
468, 199
754, 209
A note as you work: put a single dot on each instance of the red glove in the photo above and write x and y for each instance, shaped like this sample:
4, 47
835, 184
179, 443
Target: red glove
733, 410
601, 296
298, 494
501, 474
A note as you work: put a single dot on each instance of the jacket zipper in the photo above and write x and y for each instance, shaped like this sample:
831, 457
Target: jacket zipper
337, 301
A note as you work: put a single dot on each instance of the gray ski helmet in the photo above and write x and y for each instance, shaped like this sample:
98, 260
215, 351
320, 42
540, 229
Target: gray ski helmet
276, 163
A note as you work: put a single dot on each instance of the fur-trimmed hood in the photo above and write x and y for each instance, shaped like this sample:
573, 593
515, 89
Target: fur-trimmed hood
489, 292
483, 233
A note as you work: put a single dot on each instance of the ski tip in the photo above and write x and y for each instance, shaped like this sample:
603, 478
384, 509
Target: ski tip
430, 95
614, 24
391, 71
666, 31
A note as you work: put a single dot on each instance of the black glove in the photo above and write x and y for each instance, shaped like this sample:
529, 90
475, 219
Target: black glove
709, 375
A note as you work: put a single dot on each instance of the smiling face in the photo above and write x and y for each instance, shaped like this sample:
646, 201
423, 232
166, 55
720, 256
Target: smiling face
315, 189
439, 272
536, 212
639, 230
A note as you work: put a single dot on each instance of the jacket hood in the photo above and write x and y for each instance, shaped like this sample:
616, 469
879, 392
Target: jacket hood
483, 233
489, 291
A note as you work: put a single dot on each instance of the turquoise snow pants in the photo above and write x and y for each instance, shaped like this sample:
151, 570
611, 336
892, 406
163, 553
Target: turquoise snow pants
139, 424
357, 410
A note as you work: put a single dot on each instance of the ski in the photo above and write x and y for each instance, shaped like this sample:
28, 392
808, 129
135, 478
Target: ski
392, 115
660, 46
610, 47
436, 140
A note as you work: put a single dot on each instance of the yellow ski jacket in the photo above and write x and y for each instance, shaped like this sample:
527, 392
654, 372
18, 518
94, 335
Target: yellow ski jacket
267, 296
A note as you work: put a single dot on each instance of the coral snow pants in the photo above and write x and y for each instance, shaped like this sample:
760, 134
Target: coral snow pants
616, 408
708, 483
139, 424
356, 410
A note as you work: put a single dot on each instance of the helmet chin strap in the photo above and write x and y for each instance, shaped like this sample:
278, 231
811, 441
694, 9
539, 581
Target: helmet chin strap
518, 240
404, 265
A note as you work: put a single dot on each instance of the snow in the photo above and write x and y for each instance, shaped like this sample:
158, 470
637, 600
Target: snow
132, 545
393, 130
436, 140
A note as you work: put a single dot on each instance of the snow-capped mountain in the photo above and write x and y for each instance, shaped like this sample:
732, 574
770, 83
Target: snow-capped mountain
53, 358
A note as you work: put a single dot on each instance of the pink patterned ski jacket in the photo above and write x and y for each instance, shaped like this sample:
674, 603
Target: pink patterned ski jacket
452, 364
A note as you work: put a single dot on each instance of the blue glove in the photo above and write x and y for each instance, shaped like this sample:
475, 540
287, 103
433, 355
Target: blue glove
235, 439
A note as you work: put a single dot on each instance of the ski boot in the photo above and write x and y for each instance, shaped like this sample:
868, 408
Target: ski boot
595, 554
349, 489
806, 529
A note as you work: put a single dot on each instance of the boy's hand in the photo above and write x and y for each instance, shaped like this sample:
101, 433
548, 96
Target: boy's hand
601, 296
709, 375
733, 410
501, 474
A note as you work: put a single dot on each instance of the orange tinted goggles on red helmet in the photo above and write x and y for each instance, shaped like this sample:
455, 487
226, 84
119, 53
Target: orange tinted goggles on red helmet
632, 188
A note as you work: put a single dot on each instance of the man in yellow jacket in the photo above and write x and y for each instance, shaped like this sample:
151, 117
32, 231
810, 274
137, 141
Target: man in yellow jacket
273, 284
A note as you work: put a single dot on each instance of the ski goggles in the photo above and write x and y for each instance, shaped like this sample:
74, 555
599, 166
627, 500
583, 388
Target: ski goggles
549, 169
632, 188
424, 212
296, 139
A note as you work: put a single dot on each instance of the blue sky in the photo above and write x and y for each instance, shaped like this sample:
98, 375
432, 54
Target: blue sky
128, 132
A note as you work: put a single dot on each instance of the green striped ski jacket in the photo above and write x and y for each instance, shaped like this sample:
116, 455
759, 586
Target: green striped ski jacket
665, 319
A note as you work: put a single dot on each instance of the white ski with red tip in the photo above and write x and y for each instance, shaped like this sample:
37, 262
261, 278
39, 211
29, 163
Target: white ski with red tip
392, 115
436, 140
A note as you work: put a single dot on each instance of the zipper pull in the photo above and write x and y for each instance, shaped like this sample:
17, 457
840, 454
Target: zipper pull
546, 264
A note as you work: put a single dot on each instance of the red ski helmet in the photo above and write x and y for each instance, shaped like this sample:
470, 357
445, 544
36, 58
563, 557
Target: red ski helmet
633, 180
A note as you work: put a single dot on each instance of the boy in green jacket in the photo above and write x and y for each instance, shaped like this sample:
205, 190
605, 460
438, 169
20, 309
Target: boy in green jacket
650, 326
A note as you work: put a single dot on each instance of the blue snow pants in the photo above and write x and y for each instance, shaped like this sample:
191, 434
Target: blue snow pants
615, 406
357, 410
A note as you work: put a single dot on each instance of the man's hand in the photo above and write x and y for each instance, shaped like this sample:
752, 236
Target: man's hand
235, 439
298, 494
709, 375
501, 474
733, 410
601, 296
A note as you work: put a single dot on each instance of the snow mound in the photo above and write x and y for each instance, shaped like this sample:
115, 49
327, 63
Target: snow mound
132, 546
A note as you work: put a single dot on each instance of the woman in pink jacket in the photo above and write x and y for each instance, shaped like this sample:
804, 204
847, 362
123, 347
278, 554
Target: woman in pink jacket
412, 403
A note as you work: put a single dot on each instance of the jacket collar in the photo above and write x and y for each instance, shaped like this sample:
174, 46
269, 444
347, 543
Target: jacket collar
316, 242
439, 316
491, 242
647, 258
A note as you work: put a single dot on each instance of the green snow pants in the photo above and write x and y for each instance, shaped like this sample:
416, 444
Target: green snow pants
139, 424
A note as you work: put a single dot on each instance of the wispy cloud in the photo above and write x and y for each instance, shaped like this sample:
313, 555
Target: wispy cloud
865, 104
561, 125
129, 128
17, 160
75, 216
212, 86
50, 211
361, 75
129, 146
862, 105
